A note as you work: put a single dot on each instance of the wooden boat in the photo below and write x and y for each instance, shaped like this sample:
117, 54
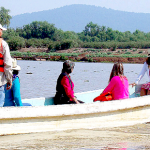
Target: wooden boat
43, 116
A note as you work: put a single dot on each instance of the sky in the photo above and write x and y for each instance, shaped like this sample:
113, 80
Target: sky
18, 7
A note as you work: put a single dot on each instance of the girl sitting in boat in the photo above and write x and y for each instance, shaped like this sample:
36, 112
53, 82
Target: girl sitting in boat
12, 96
118, 83
65, 86
145, 88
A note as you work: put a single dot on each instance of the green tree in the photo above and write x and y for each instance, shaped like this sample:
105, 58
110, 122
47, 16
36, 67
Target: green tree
139, 34
70, 35
91, 29
127, 36
9, 33
4, 16
25, 32
38, 29
42, 29
58, 35
111, 35
102, 34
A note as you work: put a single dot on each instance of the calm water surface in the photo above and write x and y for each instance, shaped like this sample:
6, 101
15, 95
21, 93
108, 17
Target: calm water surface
38, 78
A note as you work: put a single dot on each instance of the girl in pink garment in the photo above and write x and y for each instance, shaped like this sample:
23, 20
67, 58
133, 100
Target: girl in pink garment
118, 83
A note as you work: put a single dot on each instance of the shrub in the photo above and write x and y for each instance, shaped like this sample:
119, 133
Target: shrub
134, 50
57, 46
113, 48
127, 52
108, 53
63, 57
140, 52
30, 43
51, 47
16, 43
66, 44
36, 42
46, 42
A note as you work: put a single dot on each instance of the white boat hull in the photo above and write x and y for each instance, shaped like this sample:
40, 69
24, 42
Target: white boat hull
17, 120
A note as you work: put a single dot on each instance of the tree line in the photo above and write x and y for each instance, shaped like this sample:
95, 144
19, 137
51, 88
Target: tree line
44, 34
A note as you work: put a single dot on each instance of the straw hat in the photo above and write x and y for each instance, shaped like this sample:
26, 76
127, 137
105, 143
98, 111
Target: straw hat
14, 65
2, 27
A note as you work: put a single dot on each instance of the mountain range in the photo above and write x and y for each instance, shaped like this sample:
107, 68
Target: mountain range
76, 17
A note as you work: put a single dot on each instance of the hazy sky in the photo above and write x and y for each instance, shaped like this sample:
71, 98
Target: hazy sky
17, 7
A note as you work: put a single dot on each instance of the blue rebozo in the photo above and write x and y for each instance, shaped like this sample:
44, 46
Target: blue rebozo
12, 96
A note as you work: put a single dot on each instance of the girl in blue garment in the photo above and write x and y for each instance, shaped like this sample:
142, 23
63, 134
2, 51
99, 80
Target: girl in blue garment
12, 96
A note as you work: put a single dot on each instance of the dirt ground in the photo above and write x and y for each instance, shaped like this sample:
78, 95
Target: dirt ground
84, 52
87, 50
122, 138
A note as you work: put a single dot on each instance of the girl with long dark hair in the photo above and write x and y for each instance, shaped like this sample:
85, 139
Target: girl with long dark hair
118, 83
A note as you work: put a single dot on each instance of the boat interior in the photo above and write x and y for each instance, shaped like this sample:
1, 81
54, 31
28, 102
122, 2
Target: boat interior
86, 97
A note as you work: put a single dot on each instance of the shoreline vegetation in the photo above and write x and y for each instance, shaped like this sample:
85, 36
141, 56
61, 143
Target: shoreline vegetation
132, 55
43, 41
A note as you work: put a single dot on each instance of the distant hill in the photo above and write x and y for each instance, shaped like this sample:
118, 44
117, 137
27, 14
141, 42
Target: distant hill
76, 17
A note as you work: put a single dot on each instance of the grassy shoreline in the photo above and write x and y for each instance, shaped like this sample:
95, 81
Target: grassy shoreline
88, 57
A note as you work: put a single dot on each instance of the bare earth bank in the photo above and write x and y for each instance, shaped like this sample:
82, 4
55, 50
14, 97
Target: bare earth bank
134, 137
84, 52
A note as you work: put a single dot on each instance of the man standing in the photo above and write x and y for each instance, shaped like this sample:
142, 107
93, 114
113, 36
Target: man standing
5, 67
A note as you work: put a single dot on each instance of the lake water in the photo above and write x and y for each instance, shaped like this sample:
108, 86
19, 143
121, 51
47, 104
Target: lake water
38, 78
